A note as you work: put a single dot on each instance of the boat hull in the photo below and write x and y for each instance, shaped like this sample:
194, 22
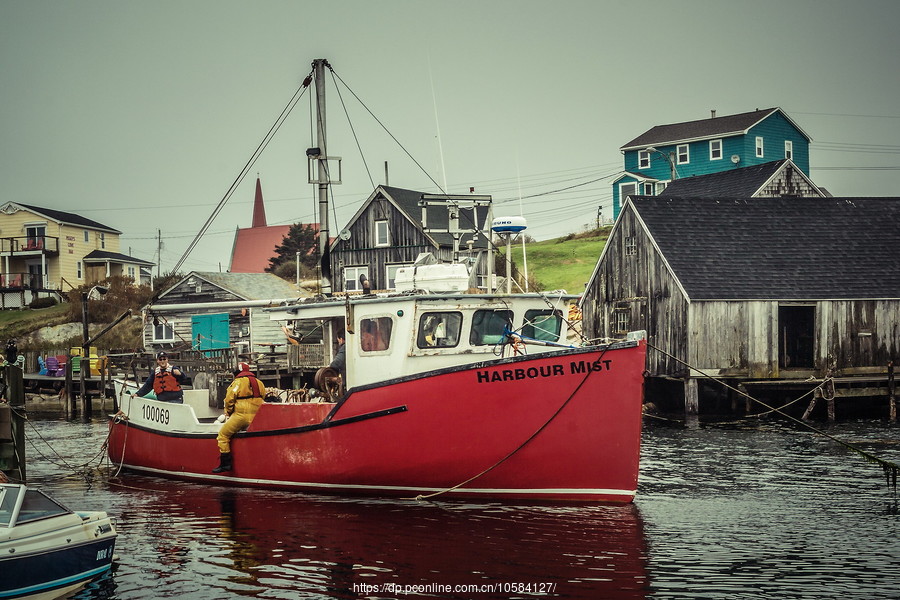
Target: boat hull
562, 426
52, 558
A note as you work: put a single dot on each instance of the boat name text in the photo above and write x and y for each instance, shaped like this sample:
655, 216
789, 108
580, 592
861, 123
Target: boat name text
582, 366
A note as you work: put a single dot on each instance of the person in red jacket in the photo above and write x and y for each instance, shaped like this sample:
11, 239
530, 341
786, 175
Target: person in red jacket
242, 401
165, 381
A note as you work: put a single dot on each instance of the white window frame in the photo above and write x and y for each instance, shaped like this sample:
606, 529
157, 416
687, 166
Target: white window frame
87, 236
643, 159
683, 150
760, 148
351, 284
623, 195
382, 234
648, 188
789, 149
621, 321
167, 330
661, 187
79, 269
630, 245
715, 150
102, 237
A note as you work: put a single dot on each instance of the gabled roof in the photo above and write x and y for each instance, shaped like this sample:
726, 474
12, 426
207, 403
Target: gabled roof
637, 176
101, 256
246, 286
712, 128
777, 248
58, 216
743, 182
407, 202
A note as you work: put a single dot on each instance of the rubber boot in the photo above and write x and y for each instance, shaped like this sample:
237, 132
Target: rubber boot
224, 463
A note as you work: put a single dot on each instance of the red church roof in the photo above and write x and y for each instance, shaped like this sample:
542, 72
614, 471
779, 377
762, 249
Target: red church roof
254, 246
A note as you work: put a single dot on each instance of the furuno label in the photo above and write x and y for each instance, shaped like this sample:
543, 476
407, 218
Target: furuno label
518, 373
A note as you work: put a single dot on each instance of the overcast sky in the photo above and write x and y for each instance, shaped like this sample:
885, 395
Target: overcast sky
141, 114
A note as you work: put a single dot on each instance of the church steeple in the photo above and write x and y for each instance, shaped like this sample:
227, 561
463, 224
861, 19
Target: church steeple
259, 209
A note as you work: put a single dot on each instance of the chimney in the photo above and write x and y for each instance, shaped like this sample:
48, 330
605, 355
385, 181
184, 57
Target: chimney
259, 210
712, 113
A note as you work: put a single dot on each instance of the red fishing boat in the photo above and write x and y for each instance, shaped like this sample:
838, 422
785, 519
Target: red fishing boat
483, 395
425, 414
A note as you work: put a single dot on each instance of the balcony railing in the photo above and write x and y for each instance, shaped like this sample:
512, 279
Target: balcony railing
22, 281
29, 244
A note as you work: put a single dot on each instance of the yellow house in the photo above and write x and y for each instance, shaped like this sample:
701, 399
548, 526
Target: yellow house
47, 252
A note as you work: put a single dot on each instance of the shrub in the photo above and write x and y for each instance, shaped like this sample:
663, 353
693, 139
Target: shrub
43, 302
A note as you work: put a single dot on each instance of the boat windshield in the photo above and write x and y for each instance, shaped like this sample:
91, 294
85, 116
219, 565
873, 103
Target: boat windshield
37, 505
8, 496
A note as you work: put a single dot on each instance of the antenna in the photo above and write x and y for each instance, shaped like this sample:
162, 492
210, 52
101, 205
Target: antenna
437, 125
522, 214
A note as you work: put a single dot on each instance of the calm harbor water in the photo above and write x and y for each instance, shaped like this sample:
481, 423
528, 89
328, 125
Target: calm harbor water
749, 510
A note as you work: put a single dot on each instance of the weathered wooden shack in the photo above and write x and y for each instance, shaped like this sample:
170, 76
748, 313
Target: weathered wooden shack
394, 226
209, 311
753, 290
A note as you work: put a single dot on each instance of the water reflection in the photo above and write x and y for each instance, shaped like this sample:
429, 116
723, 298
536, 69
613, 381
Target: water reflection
216, 542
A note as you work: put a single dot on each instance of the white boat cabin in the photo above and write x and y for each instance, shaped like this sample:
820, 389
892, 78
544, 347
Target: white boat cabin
401, 335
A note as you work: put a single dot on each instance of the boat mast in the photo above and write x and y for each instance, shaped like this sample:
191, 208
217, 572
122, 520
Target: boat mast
319, 65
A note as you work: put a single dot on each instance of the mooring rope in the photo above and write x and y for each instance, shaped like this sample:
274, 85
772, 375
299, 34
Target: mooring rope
890, 469
520, 446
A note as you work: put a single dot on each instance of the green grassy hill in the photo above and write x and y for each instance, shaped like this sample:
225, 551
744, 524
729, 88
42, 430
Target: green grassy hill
562, 263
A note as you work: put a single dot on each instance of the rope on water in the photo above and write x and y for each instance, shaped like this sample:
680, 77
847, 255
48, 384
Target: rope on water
890, 469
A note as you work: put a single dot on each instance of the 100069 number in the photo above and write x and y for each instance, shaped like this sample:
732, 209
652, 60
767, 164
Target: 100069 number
155, 414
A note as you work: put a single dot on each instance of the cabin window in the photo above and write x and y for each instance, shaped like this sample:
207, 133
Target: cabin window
621, 321
351, 278
684, 154
789, 149
759, 147
375, 334
163, 332
630, 245
489, 327
439, 330
543, 325
382, 238
390, 272
643, 159
715, 149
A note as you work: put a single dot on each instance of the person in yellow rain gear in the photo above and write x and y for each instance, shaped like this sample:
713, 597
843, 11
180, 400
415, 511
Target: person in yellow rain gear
242, 401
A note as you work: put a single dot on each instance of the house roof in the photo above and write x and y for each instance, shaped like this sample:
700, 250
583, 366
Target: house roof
742, 182
714, 127
60, 216
777, 248
101, 256
247, 286
254, 246
407, 201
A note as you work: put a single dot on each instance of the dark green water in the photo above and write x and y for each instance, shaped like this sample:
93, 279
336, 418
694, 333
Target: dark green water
723, 511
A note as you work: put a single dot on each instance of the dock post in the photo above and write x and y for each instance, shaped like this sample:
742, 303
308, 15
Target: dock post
892, 396
15, 393
828, 393
691, 396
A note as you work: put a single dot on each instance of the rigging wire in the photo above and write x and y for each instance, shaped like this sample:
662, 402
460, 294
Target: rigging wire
247, 167
352, 130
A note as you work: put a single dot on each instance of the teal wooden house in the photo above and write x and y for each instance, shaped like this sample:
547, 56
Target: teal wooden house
665, 153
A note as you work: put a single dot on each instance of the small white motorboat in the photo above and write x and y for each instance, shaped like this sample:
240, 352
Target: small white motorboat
47, 550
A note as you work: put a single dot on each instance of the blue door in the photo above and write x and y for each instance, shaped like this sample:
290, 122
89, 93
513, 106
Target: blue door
210, 332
